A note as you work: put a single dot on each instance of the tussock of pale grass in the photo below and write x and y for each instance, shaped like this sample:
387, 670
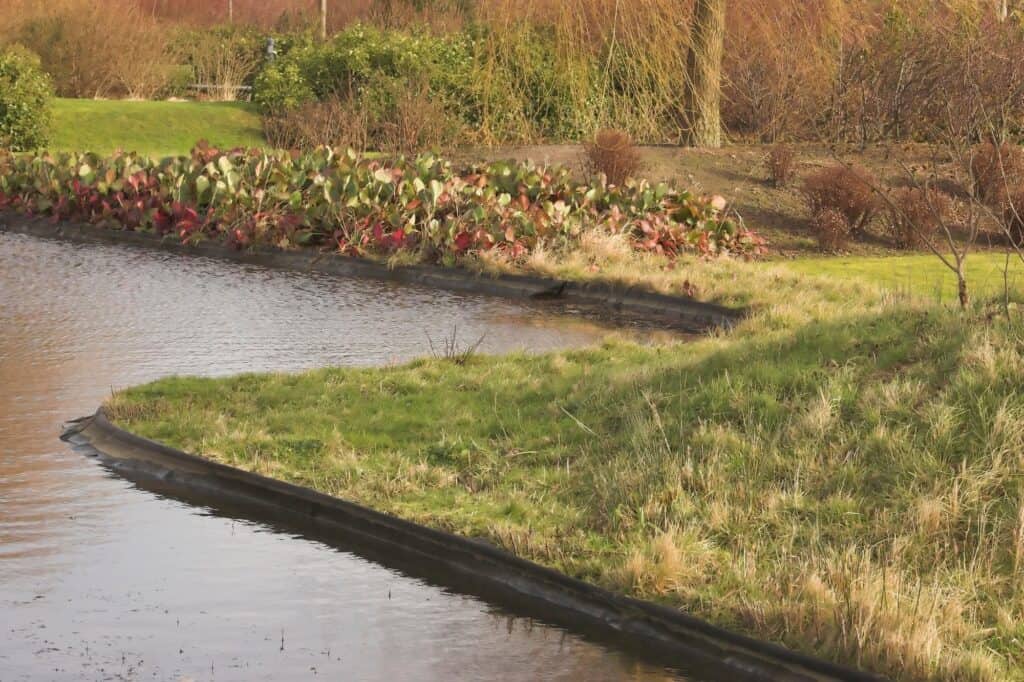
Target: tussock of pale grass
673, 561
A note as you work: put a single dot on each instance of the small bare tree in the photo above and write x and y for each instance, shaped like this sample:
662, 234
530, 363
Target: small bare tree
949, 236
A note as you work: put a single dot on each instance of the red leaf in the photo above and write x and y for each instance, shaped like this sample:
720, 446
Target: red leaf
463, 241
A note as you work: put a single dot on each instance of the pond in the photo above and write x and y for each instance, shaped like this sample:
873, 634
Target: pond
100, 579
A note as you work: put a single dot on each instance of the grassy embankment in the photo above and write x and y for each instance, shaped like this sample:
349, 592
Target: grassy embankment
840, 473
152, 128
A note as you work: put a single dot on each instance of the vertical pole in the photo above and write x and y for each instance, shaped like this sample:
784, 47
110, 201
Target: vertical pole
323, 19
231, 11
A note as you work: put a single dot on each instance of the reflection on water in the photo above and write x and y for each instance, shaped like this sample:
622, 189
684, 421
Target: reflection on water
100, 580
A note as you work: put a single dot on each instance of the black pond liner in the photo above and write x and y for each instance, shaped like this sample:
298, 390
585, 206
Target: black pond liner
604, 299
462, 564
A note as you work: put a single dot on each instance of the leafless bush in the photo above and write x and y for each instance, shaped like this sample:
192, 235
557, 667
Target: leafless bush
831, 228
222, 66
995, 170
781, 164
412, 123
848, 190
95, 49
333, 123
914, 215
613, 153
1013, 216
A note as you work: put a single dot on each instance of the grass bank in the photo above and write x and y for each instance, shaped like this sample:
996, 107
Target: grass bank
840, 473
152, 128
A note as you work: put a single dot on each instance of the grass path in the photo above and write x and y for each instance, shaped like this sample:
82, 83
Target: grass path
154, 128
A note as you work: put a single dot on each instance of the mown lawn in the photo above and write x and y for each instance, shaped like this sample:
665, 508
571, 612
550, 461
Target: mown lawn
923, 274
152, 128
840, 473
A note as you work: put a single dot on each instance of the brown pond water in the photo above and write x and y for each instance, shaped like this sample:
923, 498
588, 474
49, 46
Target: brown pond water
102, 580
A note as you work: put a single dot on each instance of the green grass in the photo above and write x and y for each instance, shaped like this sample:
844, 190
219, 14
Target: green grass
923, 274
840, 473
152, 128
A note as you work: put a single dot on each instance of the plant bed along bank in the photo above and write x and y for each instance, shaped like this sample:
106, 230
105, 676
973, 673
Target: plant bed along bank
839, 473
402, 210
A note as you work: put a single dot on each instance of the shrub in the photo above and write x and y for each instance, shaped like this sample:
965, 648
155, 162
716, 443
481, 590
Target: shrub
280, 88
846, 190
86, 58
914, 214
25, 96
995, 170
224, 58
831, 228
502, 87
781, 164
1013, 215
360, 56
613, 153
407, 120
333, 123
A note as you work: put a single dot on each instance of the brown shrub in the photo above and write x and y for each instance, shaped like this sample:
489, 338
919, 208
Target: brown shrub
996, 170
1013, 215
86, 58
613, 153
332, 123
221, 66
914, 214
409, 122
848, 190
781, 164
412, 122
831, 228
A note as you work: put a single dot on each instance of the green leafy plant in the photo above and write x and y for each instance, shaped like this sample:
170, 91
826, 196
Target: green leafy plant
422, 207
280, 88
25, 97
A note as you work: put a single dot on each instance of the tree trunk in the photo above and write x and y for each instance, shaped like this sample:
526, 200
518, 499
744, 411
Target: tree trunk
323, 19
704, 74
961, 287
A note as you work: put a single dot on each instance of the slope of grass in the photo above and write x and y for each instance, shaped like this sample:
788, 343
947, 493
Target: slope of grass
840, 473
153, 128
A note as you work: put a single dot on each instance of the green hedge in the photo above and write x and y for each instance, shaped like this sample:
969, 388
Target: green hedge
26, 94
501, 88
